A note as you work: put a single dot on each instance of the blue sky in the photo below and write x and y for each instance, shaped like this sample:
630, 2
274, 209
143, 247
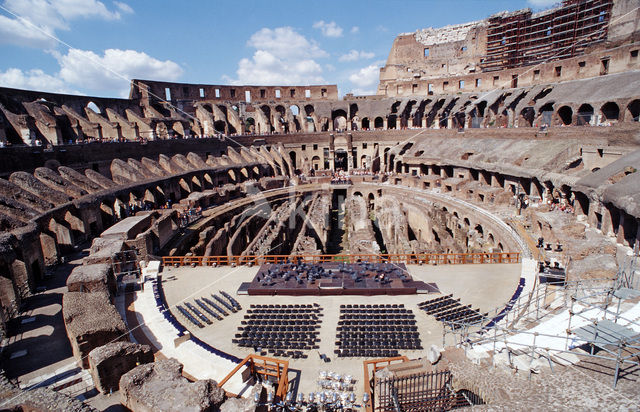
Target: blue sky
105, 43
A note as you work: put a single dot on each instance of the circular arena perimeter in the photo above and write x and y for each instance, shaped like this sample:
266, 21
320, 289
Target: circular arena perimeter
484, 287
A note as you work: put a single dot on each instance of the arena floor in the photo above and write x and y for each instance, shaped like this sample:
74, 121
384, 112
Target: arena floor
483, 286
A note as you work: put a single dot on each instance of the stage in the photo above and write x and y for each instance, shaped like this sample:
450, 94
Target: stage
335, 278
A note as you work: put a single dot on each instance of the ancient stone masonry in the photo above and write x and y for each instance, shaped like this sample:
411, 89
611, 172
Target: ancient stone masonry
109, 362
577, 39
313, 236
160, 386
91, 321
360, 237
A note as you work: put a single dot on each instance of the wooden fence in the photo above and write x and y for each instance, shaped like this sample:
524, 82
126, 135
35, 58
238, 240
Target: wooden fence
409, 259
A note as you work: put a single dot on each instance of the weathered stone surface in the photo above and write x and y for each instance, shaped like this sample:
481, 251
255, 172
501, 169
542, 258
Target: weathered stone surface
92, 278
160, 386
245, 404
109, 362
91, 321
41, 399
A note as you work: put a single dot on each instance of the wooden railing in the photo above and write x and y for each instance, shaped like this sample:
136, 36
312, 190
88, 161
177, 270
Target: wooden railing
409, 258
268, 368
369, 374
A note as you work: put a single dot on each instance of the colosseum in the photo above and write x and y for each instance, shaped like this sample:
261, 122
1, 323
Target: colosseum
189, 247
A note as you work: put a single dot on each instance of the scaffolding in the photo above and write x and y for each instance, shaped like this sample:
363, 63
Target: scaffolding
590, 309
522, 38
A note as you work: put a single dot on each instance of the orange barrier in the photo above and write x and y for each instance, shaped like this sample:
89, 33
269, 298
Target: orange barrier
370, 373
410, 259
276, 369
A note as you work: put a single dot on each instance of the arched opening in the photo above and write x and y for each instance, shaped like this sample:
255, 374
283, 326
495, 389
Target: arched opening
528, 115
184, 188
295, 110
391, 121
197, 186
610, 111
371, 201
250, 125
94, 107
232, 175
546, 114
466, 221
378, 123
363, 162
339, 119
633, 109
219, 126
566, 115
315, 162
585, 115
292, 156
479, 229
365, 123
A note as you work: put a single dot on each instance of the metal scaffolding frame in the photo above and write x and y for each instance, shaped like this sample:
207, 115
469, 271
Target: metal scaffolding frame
610, 332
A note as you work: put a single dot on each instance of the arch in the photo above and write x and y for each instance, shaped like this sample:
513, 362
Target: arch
585, 115
633, 110
610, 111
546, 108
195, 182
528, 115
478, 228
249, 125
339, 119
94, 107
315, 162
371, 200
392, 121
565, 113
185, 189
292, 156
466, 221
295, 110
365, 123
232, 175
378, 123
357, 194
491, 239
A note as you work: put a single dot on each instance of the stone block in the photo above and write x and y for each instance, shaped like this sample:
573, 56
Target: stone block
160, 387
109, 362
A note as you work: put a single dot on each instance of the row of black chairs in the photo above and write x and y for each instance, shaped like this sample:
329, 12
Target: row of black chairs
374, 323
366, 353
288, 306
448, 309
212, 307
387, 306
381, 311
365, 330
267, 327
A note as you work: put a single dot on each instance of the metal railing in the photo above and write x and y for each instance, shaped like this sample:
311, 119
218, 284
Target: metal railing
409, 258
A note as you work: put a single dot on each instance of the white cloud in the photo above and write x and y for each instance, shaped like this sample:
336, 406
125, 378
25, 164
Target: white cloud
34, 79
362, 92
354, 55
542, 3
114, 69
285, 42
48, 16
282, 56
84, 69
355, 29
367, 76
328, 29
123, 7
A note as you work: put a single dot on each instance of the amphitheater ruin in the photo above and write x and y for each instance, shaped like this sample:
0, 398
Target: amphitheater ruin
465, 238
